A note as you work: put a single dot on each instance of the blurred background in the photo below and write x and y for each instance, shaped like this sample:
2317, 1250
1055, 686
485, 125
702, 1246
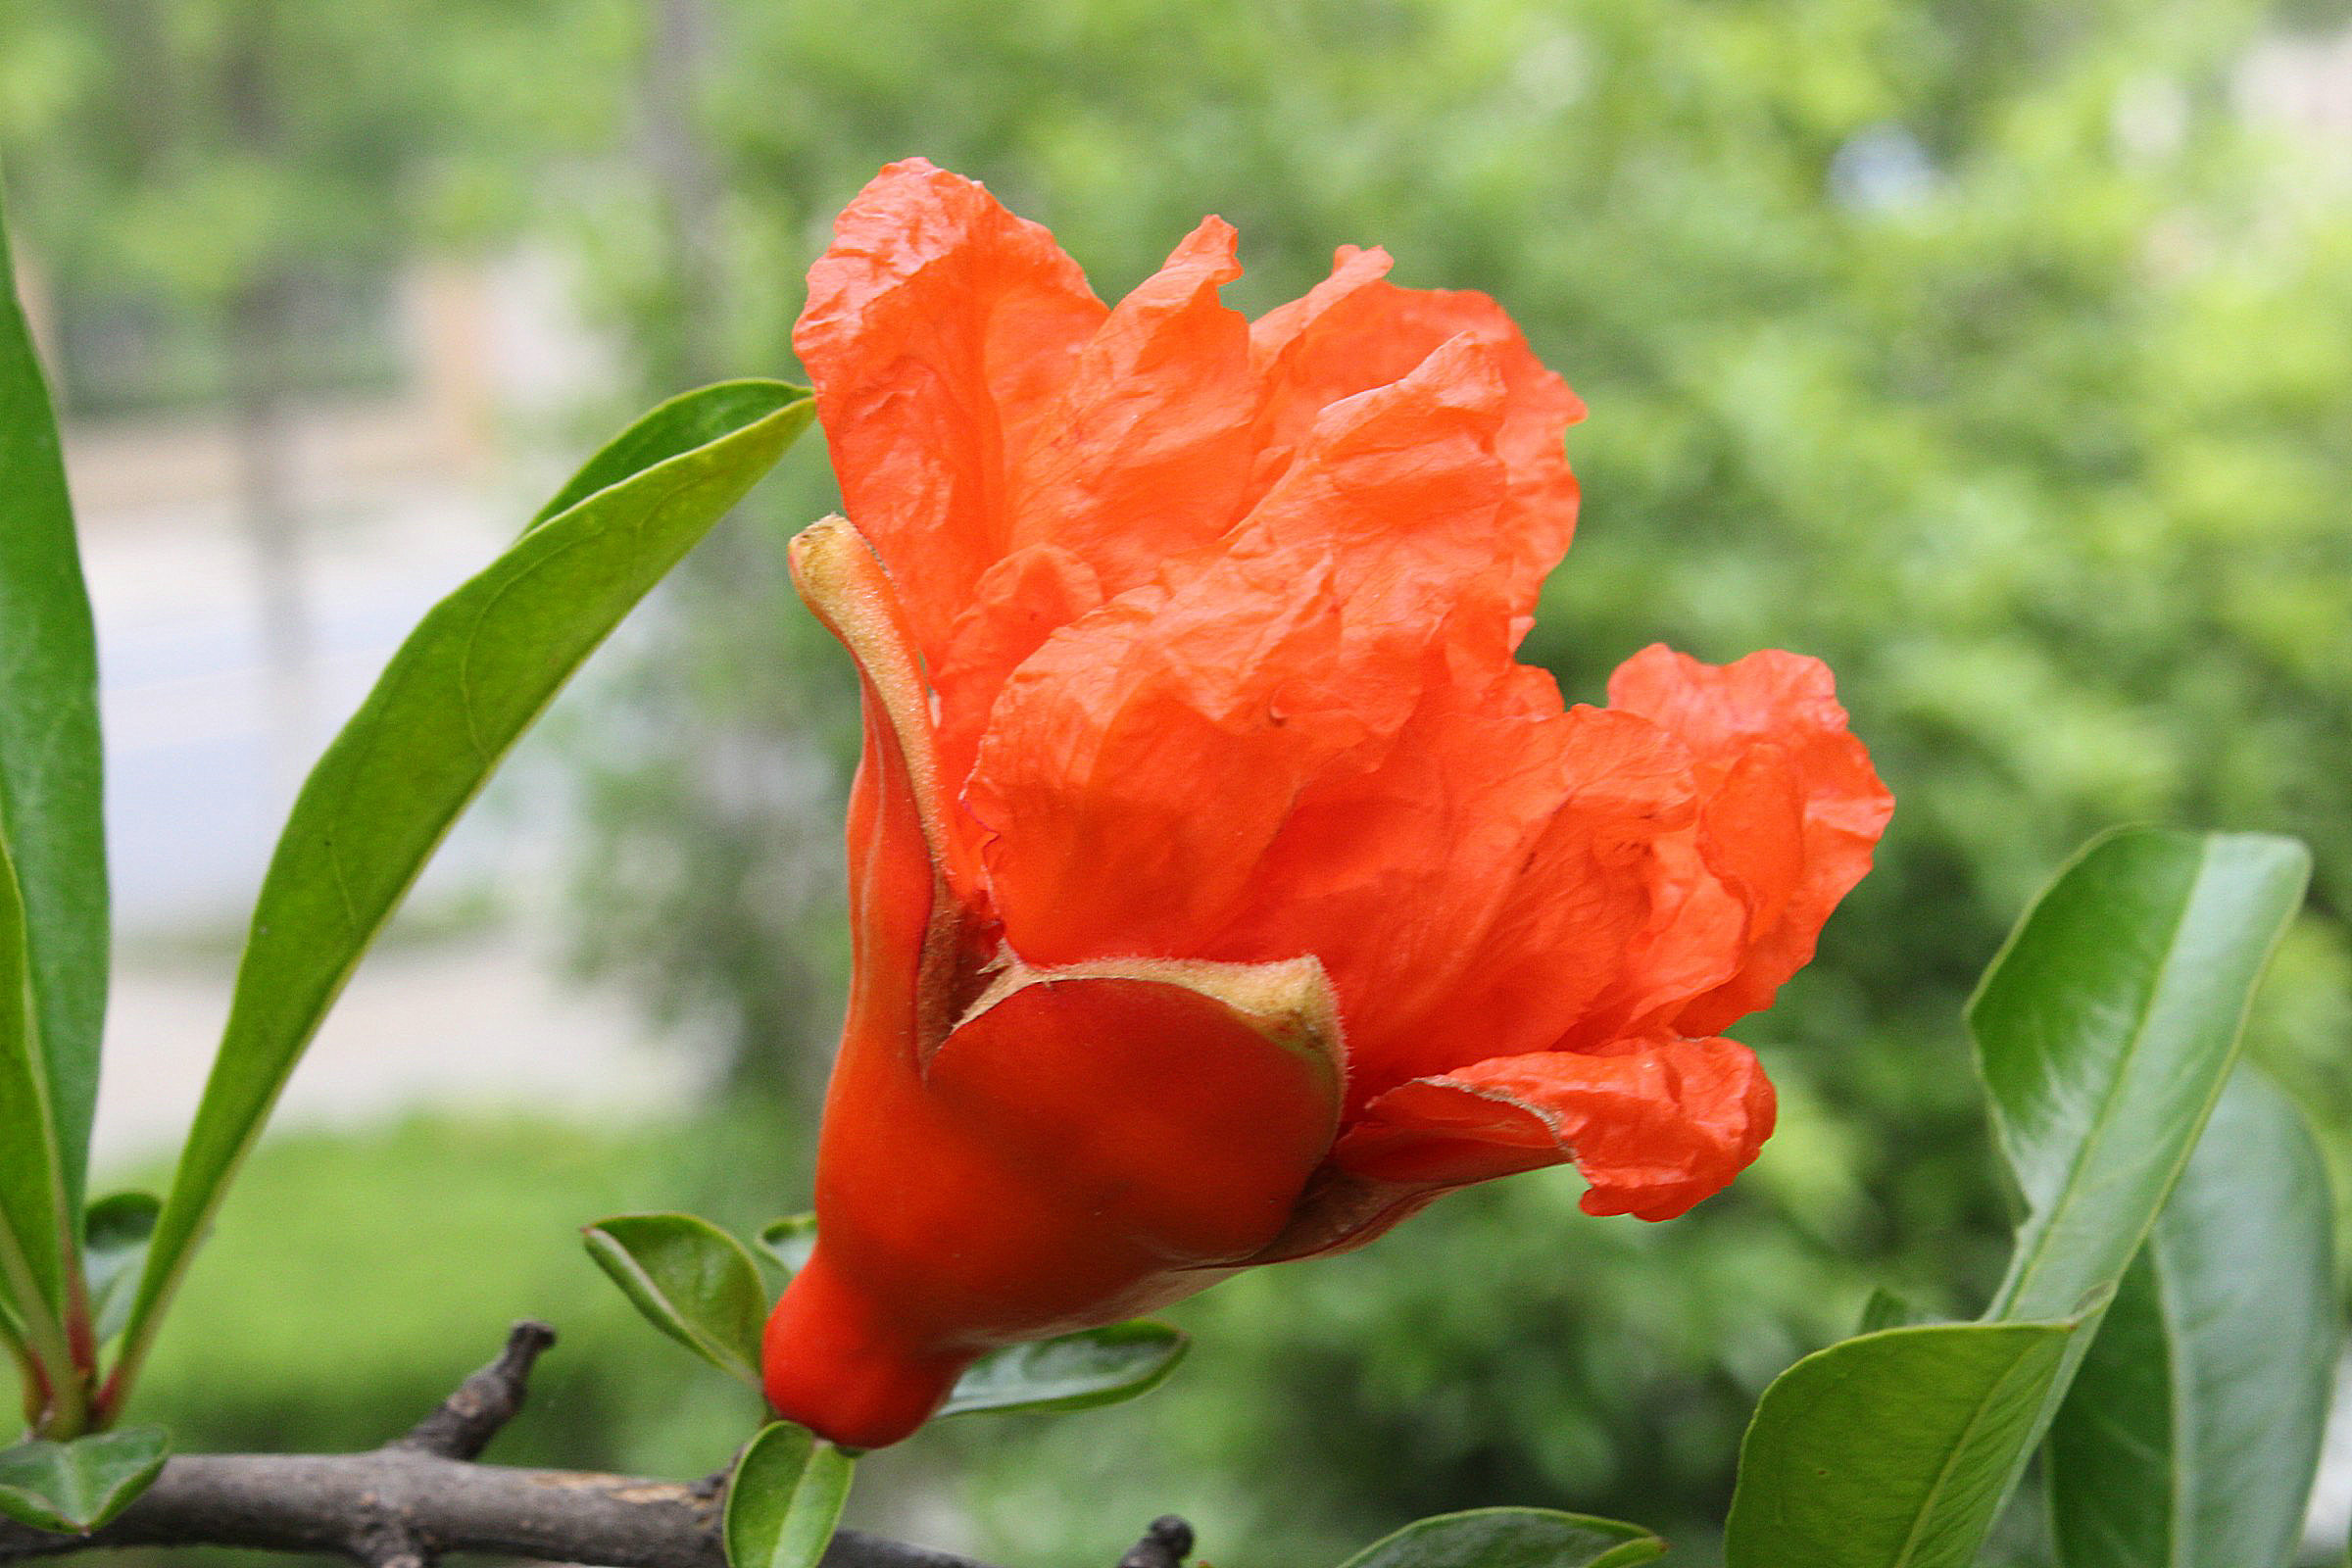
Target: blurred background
1998, 351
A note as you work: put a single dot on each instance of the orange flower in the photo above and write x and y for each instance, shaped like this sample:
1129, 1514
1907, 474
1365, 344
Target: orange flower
1224, 889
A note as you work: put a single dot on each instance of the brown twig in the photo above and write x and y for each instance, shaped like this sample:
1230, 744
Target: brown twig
366, 1507
465, 1422
408, 1503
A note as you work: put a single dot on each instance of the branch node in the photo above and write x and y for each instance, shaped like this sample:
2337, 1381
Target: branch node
389, 1545
1166, 1544
465, 1422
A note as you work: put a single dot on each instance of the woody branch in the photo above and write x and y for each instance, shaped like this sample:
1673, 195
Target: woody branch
423, 1496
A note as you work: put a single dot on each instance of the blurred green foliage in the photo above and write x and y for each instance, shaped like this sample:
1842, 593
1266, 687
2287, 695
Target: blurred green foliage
1989, 349
321, 1316
222, 182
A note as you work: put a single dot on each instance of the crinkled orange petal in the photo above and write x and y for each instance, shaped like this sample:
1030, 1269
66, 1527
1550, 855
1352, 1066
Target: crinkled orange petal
1137, 765
1393, 875
1470, 895
1146, 454
1243, 678
1018, 604
1582, 893
1692, 941
939, 332
1401, 487
1355, 330
1792, 807
1654, 1125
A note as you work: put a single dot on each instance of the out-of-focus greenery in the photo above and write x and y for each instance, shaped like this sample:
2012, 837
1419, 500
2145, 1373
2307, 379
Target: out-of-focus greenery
321, 1314
1989, 349
225, 189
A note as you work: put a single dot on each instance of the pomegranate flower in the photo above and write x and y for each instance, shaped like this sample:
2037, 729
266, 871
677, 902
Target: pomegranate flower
1223, 888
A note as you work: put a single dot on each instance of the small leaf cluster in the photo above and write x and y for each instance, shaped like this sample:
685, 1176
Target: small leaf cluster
702, 1288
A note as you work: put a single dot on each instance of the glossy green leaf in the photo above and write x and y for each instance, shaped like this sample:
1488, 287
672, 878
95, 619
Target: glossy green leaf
2191, 1432
1511, 1537
715, 413
473, 676
1895, 1449
2105, 1030
116, 1233
789, 1241
51, 777
73, 1488
1074, 1372
691, 1281
785, 1498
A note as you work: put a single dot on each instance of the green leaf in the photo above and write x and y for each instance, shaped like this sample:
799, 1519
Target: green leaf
1886, 1310
1891, 1450
790, 1241
714, 414
32, 1256
12, 1343
2191, 1432
691, 1281
785, 1498
2105, 1030
1511, 1537
471, 677
51, 777
116, 1233
73, 1488
1074, 1372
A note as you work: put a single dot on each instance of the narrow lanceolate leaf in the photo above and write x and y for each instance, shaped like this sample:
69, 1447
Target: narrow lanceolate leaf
72, 1488
33, 1255
50, 775
2191, 1432
1893, 1449
114, 1236
14, 1347
2105, 1031
785, 1498
471, 677
1075, 1372
691, 1281
1513, 1538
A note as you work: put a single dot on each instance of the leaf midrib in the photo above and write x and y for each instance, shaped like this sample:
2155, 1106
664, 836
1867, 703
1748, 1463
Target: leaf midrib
1951, 1459
2102, 1120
